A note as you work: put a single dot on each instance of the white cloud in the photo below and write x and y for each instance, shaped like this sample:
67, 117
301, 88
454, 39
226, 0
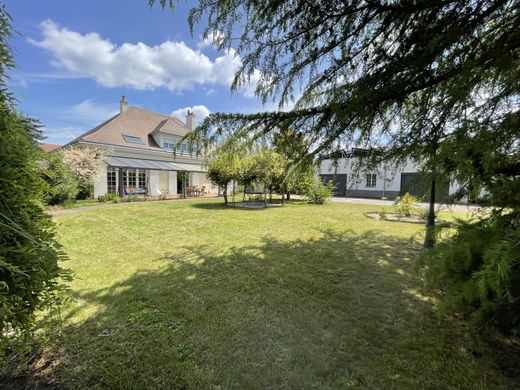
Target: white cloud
171, 65
214, 39
61, 134
211, 91
250, 87
200, 112
91, 113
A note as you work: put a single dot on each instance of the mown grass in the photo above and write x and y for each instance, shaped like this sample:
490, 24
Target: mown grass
193, 294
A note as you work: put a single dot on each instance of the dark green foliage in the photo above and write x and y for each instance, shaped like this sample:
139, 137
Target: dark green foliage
29, 253
317, 192
488, 166
85, 190
405, 70
110, 197
478, 267
132, 198
61, 184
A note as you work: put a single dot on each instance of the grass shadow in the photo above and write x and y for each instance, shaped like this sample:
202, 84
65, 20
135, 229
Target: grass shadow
343, 310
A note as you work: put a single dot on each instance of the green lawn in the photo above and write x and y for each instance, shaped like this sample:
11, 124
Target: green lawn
191, 294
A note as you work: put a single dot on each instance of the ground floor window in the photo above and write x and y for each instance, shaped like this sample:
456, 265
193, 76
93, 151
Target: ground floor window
111, 180
134, 180
141, 178
371, 180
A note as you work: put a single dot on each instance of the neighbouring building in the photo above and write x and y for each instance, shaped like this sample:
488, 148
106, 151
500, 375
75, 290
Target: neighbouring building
140, 155
49, 147
352, 179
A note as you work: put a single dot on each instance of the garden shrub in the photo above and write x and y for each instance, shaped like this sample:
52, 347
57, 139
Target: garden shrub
477, 265
85, 190
405, 204
113, 197
131, 198
110, 197
318, 192
61, 184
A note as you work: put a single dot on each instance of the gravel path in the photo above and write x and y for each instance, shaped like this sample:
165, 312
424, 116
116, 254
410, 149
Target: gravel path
380, 202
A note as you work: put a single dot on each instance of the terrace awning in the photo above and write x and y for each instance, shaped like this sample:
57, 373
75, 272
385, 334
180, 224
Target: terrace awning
191, 167
125, 162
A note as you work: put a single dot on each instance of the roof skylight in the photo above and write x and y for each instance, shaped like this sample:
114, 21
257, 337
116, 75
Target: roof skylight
133, 139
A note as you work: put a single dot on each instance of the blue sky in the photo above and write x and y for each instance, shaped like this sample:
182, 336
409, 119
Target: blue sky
75, 59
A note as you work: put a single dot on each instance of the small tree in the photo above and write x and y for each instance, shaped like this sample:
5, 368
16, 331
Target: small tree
270, 170
295, 149
85, 164
222, 169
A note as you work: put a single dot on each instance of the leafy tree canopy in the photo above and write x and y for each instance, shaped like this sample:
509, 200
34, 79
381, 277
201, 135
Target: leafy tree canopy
368, 72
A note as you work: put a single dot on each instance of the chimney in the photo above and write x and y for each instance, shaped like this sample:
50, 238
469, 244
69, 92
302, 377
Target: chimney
123, 105
190, 120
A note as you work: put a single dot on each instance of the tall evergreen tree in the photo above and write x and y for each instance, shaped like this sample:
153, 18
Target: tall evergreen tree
29, 252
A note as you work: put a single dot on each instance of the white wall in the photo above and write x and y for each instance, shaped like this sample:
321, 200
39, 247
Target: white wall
100, 182
388, 176
154, 183
356, 175
194, 179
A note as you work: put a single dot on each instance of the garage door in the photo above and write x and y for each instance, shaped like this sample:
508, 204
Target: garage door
416, 185
340, 183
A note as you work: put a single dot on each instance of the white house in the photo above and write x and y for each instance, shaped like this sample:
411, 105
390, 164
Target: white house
352, 179
140, 159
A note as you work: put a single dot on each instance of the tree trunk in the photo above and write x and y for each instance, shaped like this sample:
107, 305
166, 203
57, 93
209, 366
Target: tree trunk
283, 198
429, 239
121, 188
288, 196
224, 194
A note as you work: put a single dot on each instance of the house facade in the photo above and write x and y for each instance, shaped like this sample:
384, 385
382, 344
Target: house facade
139, 157
352, 179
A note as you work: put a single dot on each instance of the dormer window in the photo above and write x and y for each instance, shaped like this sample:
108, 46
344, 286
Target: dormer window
168, 146
182, 148
132, 139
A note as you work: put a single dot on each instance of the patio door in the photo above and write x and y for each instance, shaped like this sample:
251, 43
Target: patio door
180, 177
